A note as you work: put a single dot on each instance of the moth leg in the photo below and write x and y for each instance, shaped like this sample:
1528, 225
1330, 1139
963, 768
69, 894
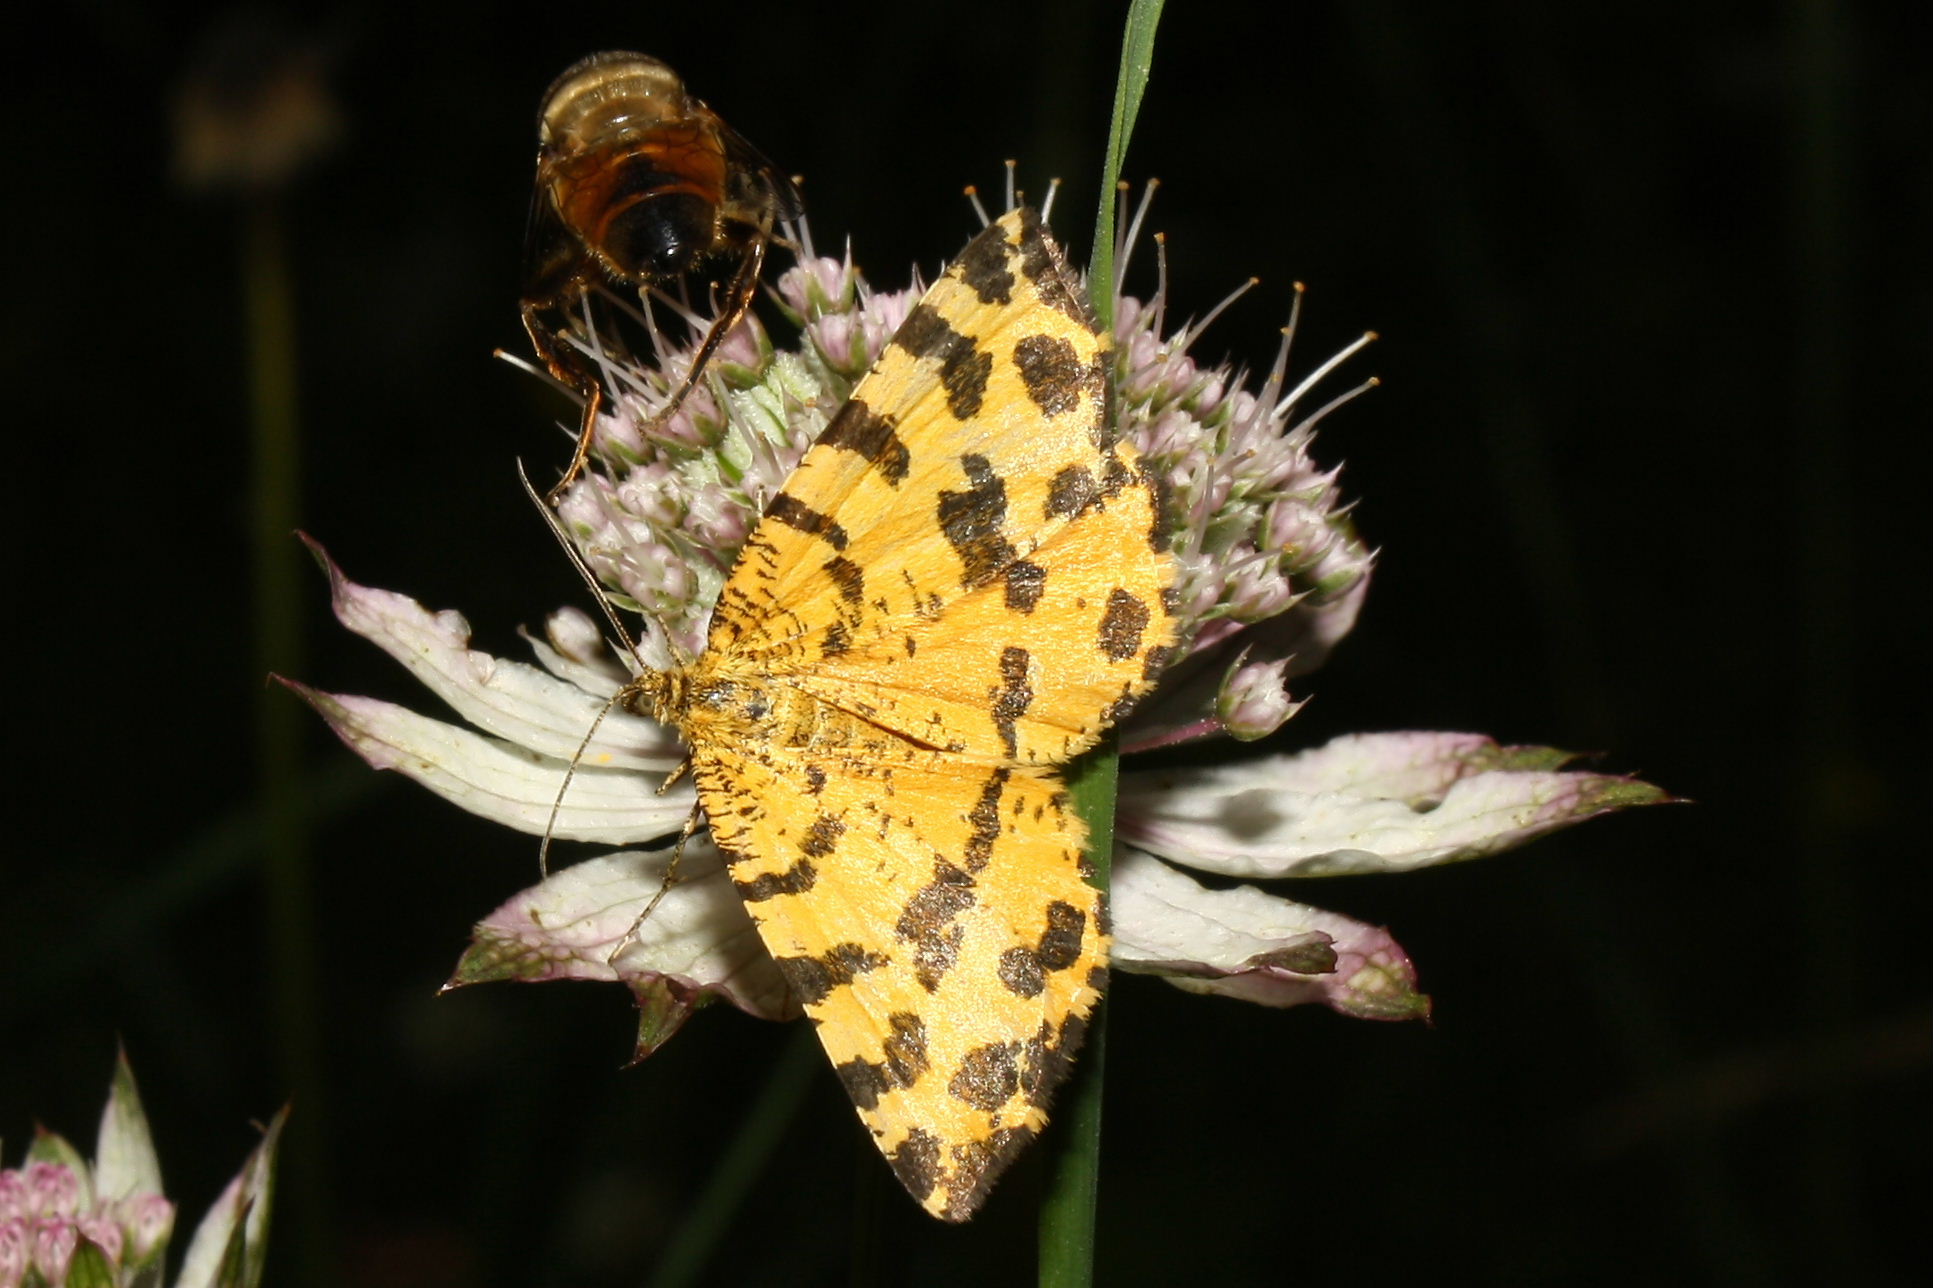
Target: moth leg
684, 767
664, 886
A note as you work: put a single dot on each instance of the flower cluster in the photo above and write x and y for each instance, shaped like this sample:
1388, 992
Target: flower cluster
1272, 576
65, 1221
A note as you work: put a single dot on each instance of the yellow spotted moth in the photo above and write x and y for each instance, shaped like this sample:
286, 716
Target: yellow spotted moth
961, 587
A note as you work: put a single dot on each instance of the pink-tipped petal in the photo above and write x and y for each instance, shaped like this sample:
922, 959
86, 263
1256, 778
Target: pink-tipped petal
501, 782
1366, 803
1246, 944
582, 923
513, 700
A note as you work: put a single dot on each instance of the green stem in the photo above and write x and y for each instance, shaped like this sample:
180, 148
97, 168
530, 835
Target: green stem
1071, 1198
1137, 57
274, 487
684, 1262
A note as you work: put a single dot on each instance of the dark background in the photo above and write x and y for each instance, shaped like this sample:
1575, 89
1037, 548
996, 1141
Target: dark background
1647, 473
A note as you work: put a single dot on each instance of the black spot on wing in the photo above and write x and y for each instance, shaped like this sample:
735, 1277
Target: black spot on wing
903, 1060
1060, 943
1026, 582
964, 369
872, 437
1024, 969
985, 816
986, 266
1122, 625
813, 978
1160, 506
974, 522
822, 838
916, 1161
1072, 492
987, 1077
1042, 264
795, 514
1049, 1056
927, 923
905, 1048
977, 1164
864, 1080
1056, 378
1021, 973
848, 577
797, 879
1011, 700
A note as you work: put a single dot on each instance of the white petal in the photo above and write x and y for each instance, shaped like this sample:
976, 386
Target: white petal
572, 650
513, 700
125, 1162
571, 925
1247, 944
238, 1223
501, 782
1365, 803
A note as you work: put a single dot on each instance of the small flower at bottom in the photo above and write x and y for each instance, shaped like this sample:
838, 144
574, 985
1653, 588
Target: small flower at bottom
64, 1220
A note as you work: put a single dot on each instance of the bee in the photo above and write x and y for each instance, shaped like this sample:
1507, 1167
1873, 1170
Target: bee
638, 184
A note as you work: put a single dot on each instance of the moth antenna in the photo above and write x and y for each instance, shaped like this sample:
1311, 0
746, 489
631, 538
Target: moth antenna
570, 772
630, 645
583, 569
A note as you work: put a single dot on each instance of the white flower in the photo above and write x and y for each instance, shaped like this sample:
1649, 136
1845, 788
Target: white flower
1272, 576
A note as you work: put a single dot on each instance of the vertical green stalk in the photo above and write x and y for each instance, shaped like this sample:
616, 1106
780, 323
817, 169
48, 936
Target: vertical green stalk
1137, 56
739, 1167
1071, 1197
1823, 39
274, 486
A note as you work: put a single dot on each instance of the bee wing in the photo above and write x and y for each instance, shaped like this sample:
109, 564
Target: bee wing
755, 181
552, 252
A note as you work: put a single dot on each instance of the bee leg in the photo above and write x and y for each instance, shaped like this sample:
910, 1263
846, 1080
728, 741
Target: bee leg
738, 299
569, 366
